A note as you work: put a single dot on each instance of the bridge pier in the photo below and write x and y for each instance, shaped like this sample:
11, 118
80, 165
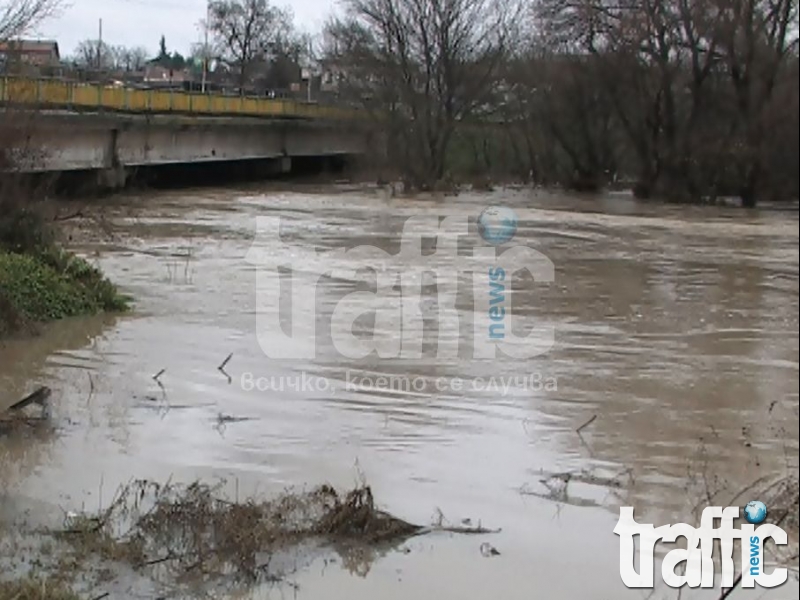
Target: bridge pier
280, 166
112, 178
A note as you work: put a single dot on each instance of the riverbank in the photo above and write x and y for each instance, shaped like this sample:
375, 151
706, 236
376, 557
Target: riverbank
41, 282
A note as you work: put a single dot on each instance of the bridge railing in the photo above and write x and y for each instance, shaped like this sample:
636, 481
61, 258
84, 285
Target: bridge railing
73, 95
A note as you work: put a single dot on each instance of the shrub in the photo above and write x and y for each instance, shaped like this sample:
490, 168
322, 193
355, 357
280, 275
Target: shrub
50, 286
22, 229
80, 271
41, 293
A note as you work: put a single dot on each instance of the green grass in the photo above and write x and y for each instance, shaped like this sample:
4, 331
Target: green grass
52, 284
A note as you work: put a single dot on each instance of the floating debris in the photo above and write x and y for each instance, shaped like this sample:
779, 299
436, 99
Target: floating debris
195, 529
586, 424
16, 416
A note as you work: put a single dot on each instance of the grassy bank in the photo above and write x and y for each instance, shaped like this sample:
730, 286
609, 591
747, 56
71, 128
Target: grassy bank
41, 282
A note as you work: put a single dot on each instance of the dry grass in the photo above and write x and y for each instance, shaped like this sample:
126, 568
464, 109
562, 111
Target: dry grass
194, 531
35, 589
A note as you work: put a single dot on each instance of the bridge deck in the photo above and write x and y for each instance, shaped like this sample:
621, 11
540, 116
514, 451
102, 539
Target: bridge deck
76, 96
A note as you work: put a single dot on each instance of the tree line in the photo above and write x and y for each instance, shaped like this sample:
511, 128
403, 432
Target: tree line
91, 54
256, 42
686, 100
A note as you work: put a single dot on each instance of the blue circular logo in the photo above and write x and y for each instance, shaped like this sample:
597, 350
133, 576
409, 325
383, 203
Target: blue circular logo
497, 224
755, 512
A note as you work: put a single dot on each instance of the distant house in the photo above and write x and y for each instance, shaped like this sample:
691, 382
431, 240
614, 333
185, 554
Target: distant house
32, 53
331, 76
155, 73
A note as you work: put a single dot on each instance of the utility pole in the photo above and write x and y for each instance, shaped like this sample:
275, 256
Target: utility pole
205, 47
310, 69
99, 44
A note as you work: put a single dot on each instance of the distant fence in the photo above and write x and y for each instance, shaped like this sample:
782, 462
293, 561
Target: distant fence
49, 93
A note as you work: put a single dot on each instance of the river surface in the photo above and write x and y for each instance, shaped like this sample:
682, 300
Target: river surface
673, 377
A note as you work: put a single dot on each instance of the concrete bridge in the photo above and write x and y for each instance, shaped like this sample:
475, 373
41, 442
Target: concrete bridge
110, 132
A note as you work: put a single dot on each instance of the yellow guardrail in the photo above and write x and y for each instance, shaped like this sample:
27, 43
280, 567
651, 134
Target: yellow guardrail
47, 93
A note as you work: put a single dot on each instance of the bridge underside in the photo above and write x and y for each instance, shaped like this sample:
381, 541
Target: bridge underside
114, 144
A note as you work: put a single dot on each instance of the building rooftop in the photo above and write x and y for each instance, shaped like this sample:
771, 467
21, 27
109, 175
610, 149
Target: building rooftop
30, 46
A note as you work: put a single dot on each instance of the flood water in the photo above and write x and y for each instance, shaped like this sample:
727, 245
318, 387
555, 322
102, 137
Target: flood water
675, 327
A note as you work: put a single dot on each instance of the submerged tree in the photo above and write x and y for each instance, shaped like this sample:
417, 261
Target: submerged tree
425, 66
692, 84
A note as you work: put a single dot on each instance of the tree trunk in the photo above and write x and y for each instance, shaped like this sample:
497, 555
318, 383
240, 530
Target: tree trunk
749, 191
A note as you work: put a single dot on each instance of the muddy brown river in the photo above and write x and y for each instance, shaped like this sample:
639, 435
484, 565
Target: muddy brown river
672, 377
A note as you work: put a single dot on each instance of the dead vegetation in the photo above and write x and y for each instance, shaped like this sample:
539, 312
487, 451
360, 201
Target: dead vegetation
18, 415
194, 531
35, 589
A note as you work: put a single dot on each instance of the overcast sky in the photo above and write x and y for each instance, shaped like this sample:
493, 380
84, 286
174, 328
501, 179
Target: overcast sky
141, 22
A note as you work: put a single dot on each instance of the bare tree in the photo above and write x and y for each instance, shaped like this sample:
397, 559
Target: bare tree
428, 64
18, 221
19, 16
93, 54
758, 38
630, 45
248, 32
691, 83
129, 58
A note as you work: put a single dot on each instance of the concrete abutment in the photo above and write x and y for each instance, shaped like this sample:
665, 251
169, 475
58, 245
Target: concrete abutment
110, 151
